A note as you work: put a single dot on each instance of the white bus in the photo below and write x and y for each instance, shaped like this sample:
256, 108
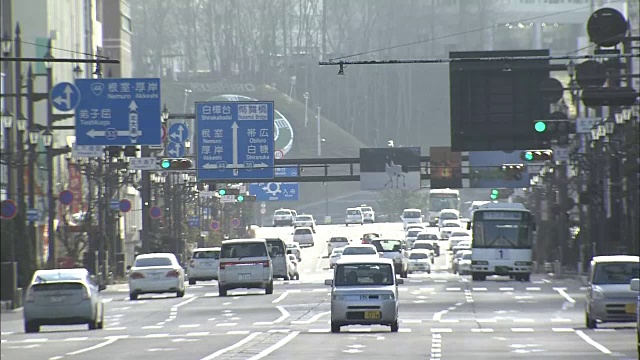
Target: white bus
440, 199
502, 240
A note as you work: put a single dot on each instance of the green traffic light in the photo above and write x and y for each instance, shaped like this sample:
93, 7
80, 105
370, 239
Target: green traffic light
165, 164
528, 156
540, 126
494, 196
222, 192
240, 198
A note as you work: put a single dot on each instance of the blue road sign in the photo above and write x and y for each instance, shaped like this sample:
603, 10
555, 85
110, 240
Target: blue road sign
215, 225
179, 133
484, 169
124, 205
118, 112
155, 212
275, 191
66, 197
235, 222
193, 221
65, 96
8, 209
234, 140
175, 150
287, 171
114, 204
33, 215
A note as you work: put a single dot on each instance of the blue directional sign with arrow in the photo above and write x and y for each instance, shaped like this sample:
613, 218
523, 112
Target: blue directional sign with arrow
178, 135
65, 96
175, 150
118, 112
275, 191
234, 140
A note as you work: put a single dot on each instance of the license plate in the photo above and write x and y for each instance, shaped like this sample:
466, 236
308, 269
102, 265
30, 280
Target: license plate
630, 308
57, 299
501, 269
244, 276
372, 315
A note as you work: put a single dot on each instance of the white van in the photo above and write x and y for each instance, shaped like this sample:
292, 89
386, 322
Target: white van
245, 263
448, 214
411, 216
354, 216
277, 248
203, 265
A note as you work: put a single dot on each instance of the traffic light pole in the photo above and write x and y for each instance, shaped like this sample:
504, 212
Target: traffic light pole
145, 195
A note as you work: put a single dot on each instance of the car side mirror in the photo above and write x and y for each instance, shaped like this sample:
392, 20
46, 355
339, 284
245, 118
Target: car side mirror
399, 281
328, 282
635, 284
469, 225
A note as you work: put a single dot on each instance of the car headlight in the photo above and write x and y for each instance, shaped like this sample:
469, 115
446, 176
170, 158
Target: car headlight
597, 294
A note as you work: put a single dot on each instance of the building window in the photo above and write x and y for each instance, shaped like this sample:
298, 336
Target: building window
126, 23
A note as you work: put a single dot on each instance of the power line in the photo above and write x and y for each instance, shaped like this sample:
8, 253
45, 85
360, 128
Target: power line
65, 50
461, 33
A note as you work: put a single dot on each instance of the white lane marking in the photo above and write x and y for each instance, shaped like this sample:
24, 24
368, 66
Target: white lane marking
149, 327
281, 297
359, 330
523, 320
156, 335
506, 289
453, 289
562, 330
189, 326
198, 333
175, 307
441, 330
227, 324
592, 342
211, 294
479, 289
546, 281
533, 288
459, 304
107, 300
319, 290
319, 330
522, 329
411, 321
437, 316
440, 280
94, 347
314, 318
117, 328
484, 330
404, 330
56, 358
319, 264
35, 340
560, 320
76, 338
238, 332
231, 347
6, 333
564, 294
285, 314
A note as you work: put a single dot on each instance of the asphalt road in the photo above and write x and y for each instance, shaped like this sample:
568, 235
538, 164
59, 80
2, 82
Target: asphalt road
443, 316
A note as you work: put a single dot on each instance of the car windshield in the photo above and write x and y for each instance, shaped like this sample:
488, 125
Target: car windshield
423, 246
153, 261
366, 209
615, 273
448, 216
427, 237
502, 234
353, 212
413, 233
364, 274
206, 254
411, 214
304, 218
241, 250
302, 232
338, 239
464, 243
387, 245
359, 251
58, 276
418, 256
459, 234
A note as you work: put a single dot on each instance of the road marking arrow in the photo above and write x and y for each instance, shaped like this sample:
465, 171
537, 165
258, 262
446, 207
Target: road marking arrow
234, 128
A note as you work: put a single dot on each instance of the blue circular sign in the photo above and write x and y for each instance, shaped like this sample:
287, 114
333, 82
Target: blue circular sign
155, 212
125, 205
178, 133
215, 225
66, 197
235, 222
8, 209
65, 96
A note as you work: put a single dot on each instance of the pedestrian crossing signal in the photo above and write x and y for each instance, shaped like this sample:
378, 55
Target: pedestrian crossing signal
176, 164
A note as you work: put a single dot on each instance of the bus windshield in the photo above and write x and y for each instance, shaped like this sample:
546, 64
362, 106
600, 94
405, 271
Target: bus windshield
440, 202
501, 234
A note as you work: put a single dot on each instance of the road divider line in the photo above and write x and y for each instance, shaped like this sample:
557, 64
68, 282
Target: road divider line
176, 306
232, 347
314, 318
564, 294
94, 347
283, 311
592, 342
281, 297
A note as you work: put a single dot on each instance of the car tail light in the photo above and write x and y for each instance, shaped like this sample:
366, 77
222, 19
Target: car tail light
224, 264
266, 263
136, 275
86, 293
192, 263
29, 296
173, 273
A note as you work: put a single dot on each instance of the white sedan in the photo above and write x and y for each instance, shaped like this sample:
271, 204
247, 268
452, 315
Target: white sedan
156, 273
335, 256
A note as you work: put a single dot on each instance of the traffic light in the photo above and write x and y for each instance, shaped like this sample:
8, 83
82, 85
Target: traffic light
250, 198
494, 194
557, 127
536, 155
223, 192
176, 164
511, 171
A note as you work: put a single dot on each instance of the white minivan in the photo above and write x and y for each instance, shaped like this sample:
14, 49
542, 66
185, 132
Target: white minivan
279, 259
411, 216
354, 216
245, 263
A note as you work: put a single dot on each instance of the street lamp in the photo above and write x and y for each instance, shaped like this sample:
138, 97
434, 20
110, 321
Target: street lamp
306, 108
7, 119
48, 57
6, 44
47, 138
21, 123
77, 72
